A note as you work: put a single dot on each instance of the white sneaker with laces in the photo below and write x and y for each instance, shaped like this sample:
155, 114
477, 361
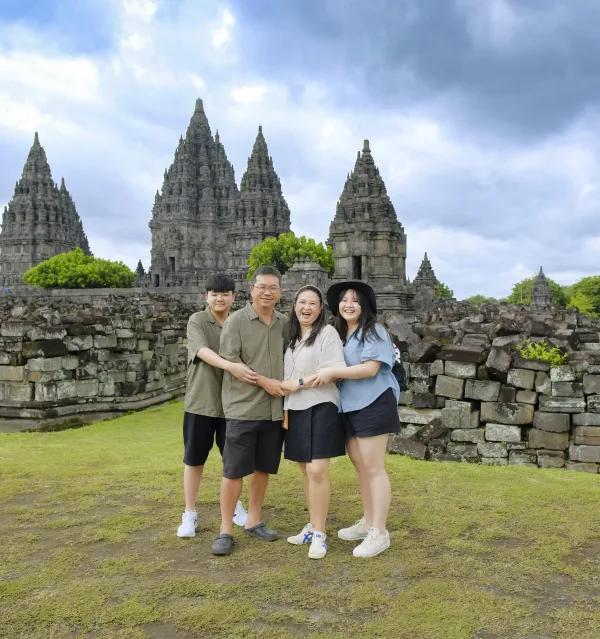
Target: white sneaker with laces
189, 519
318, 546
374, 543
305, 536
359, 531
240, 515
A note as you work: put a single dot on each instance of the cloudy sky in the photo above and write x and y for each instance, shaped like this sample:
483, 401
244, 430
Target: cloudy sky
483, 116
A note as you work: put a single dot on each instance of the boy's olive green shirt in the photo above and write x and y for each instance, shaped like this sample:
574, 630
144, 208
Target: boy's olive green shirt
203, 390
246, 338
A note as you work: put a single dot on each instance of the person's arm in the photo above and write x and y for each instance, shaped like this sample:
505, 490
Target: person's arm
325, 376
237, 369
230, 353
272, 386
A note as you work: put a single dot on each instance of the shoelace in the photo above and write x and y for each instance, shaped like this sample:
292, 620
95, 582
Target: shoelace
371, 535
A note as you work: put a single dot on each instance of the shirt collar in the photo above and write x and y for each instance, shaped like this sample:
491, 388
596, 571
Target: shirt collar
252, 314
209, 316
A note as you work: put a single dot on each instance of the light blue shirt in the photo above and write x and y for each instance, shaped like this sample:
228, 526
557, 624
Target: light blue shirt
358, 393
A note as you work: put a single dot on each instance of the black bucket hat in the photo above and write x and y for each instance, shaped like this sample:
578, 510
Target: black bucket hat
356, 285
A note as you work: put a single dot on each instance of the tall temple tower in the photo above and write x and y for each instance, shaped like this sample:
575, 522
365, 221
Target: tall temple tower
368, 242
425, 286
192, 213
541, 294
39, 222
262, 210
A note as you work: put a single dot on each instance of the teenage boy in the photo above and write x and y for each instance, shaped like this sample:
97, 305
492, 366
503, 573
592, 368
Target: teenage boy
254, 413
204, 420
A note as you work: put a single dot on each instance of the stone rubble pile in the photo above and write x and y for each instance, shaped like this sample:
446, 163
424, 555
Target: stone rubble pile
61, 358
472, 397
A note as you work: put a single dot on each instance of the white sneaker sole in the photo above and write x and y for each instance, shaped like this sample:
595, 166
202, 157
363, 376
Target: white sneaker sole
351, 536
316, 555
297, 542
186, 536
374, 554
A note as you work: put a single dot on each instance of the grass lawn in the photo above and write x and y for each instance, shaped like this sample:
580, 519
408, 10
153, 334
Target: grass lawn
88, 548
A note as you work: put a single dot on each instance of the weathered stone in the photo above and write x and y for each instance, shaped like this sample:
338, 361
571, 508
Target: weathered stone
45, 392
474, 419
492, 449
584, 453
421, 417
420, 370
449, 386
516, 445
87, 388
507, 394
88, 371
582, 467
11, 373
70, 362
482, 390
506, 413
454, 353
471, 435
548, 440
586, 419
552, 422
508, 342
17, 329
433, 430
16, 392
50, 376
493, 461
436, 368
408, 430
502, 433
543, 385
47, 333
562, 374
593, 403
106, 389
526, 397
530, 364
46, 348
66, 389
551, 459
498, 363
567, 389
587, 435
562, 404
466, 451
405, 399
105, 341
456, 415
421, 385
522, 458
521, 378
409, 447
463, 370
401, 330
591, 384
424, 400
45, 364
423, 352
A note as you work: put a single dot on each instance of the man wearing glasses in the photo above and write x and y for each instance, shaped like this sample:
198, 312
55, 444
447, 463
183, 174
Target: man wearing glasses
254, 411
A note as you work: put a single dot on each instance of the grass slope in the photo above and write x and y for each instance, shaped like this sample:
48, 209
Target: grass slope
88, 548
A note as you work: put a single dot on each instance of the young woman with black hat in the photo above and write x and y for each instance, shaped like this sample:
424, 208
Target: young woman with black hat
314, 430
369, 404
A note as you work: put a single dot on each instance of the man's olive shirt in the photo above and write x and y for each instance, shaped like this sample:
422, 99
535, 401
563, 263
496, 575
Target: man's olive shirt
247, 338
203, 390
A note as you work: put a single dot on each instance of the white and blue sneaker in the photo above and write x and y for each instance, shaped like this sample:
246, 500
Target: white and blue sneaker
318, 546
305, 536
240, 516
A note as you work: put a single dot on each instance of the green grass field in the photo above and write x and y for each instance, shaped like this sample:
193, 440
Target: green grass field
88, 548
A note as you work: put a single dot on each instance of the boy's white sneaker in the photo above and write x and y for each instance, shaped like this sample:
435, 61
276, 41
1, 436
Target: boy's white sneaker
305, 536
374, 543
240, 515
359, 531
189, 519
318, 546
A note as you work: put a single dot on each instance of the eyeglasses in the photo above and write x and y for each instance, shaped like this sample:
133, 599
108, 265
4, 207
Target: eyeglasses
261, 288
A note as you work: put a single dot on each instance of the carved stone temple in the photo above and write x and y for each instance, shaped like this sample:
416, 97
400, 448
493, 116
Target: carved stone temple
541, 294
39, 222
201, 222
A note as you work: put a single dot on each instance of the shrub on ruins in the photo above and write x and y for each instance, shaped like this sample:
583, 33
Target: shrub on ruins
521, 292
444, 291
283, 251
542, 351
585, 296
478, 300
75, 269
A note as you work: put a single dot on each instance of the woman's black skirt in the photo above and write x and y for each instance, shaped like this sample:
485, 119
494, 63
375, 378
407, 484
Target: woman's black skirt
314, 433
378, 418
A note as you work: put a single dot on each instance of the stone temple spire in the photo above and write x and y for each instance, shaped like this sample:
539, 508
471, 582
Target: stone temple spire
425, 286
425, 275
368, 241
263, 211
39, 222
541, 295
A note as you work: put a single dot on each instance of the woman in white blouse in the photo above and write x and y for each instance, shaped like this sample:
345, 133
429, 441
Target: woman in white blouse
314, 430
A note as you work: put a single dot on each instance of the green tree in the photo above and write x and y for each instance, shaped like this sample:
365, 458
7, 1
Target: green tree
585, 295
521, 292
283, 251
478, 300
75, 269
445, 292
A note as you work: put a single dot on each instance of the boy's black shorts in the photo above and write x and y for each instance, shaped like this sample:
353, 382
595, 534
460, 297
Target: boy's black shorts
252, 445
199, 433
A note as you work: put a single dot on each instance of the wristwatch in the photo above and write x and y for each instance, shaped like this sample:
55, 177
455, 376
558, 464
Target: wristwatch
301, 382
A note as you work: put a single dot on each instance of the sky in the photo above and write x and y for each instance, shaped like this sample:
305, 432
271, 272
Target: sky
483, 116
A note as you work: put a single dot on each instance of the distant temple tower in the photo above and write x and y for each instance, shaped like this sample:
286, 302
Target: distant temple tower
541, 295
368, 241
39, 222
425, 286
201, 223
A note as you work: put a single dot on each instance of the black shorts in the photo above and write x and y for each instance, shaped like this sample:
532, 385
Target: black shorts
378, 418
314, 433
252, 445
199, 433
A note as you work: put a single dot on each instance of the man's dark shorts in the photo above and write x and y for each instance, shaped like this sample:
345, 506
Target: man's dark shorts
252, 445
199, 433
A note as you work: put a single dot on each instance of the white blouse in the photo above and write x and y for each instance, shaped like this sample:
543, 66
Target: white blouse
304, 361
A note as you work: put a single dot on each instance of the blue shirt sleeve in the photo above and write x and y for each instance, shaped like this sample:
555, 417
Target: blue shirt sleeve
378, 350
